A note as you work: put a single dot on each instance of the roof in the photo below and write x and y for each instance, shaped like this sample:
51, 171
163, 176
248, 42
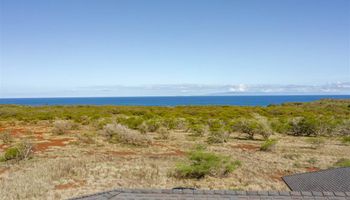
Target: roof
336, 180
148, 194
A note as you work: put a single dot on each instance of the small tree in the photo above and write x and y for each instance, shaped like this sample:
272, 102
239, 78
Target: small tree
302, 126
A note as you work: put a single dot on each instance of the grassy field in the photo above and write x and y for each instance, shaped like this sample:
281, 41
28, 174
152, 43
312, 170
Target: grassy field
56, 152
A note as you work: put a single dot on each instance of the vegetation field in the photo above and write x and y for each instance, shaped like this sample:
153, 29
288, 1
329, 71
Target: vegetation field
56, 152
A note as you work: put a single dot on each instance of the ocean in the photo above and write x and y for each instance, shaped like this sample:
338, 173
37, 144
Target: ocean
171, 101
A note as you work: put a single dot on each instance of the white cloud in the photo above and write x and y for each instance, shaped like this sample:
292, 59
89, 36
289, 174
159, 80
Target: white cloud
178, 90
238, 88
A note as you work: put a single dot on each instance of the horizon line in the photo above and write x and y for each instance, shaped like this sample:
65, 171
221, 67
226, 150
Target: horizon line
207, 95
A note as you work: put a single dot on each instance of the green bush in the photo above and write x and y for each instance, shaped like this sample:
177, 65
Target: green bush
268, 145
201, 164
345, 139
250, 127
152, 125
197, 129
280, 125
217, 132
11, 153
131, 122
218, 137
21, 151
342, 163
302, 126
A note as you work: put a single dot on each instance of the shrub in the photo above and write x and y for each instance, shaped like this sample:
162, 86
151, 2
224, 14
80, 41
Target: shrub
181, 124
301, 126
217, 137
6, 137
312, 161
143, 128
345, 139
217, 133
122, 134
279, 125
164, 133
61, 127
264, 126
197, 130
201, 164
342, 163
169, 123
86, 138
343, 128
131, 122
21, 151
268, 145
152, 125
250, 127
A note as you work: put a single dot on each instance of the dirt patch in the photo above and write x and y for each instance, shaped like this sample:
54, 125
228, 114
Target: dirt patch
75, 184
312, 169
3, 170
51, 143
173, 153
17, 132
39, 135
277, 176
247, 147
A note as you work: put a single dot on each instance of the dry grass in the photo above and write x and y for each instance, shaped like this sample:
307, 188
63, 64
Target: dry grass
86, 163
6, 137
122, 134
61, 127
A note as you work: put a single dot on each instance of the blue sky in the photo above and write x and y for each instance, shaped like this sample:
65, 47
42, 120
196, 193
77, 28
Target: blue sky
173, 47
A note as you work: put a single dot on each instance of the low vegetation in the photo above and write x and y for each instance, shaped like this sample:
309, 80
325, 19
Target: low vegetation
201, 163
324, 117
344, 162
136, 146
268, 145
345, 139
122, 134
6, 137
21, 151
61, 127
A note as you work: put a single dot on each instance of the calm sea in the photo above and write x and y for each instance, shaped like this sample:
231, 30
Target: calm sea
171, 101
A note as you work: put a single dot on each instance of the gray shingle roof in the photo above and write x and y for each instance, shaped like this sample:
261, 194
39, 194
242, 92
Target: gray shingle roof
175, 194
336, 180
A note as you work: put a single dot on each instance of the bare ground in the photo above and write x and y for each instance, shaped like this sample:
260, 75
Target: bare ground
71, 165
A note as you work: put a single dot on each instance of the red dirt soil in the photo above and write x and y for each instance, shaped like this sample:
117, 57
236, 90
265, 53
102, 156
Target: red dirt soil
3, 170
173, 153
277, 175
75, 184
312, 169
51, 143
16, 132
